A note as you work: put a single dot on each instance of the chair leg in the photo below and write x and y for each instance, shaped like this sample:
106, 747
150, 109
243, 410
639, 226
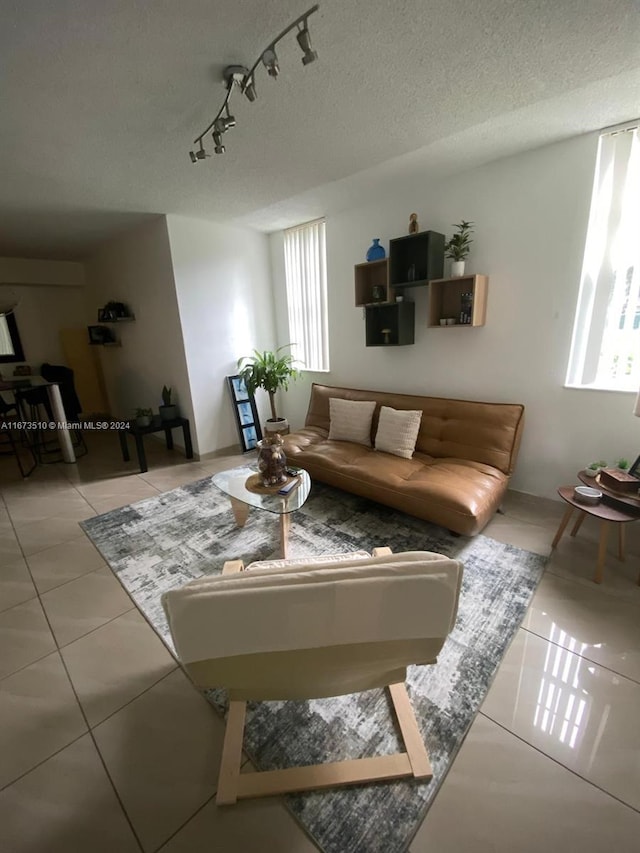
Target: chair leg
16, 453
231, 755
233, 785
416, 750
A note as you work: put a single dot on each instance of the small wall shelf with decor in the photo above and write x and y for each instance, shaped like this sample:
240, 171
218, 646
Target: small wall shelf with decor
462, 299
416, 259
115, 312
372, 283
390, 324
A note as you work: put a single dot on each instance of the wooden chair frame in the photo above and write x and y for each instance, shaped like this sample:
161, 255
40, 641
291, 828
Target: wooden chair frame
233, 785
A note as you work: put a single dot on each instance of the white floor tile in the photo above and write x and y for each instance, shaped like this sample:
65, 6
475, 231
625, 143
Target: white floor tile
112, 665
66, 805
39, 715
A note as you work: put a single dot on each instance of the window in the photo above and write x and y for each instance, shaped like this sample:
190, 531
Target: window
306, 277
605, 349
10, 344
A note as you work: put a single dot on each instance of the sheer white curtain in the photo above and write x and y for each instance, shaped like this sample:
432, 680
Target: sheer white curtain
605, 349
306, 278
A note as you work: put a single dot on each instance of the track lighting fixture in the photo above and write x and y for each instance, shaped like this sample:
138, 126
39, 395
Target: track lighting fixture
217, 139
304, 40
244, 78
270, 61
249, 89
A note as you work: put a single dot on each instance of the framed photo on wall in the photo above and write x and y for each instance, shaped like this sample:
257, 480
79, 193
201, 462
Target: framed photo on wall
246, 414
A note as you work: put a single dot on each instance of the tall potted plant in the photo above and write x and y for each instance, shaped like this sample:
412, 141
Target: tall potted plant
459, 246
269, 371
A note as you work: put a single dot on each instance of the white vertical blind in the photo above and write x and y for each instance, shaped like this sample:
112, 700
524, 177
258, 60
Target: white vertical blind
6, 344
605, 349
306, 278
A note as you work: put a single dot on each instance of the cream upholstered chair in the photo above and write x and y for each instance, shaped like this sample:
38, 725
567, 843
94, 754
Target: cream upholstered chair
302, 629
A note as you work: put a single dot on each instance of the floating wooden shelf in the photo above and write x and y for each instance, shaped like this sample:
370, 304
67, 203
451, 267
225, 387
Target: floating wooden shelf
463, 299
369, 275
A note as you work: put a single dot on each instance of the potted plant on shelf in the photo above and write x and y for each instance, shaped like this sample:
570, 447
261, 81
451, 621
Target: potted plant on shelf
622, 464
168, 410
143, 417
459, 246
269, 371
594, 468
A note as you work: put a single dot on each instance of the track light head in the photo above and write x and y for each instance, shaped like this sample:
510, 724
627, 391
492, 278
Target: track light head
270, 61
249, 89
193, 157
201, 154
304, 40
219, 147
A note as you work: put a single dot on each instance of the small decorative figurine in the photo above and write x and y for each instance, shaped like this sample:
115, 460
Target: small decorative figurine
413, 224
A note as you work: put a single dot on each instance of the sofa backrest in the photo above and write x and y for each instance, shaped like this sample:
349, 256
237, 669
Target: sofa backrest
488, 433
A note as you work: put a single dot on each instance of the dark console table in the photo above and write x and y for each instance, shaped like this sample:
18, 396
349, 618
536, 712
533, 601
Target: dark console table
156, 425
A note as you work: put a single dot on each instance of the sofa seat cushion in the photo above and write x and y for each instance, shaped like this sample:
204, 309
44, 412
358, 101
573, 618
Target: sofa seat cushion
445, 489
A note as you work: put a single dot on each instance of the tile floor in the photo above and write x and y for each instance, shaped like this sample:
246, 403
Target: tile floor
92, 758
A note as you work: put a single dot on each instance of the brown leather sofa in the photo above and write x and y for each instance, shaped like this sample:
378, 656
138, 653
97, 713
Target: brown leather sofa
459, 472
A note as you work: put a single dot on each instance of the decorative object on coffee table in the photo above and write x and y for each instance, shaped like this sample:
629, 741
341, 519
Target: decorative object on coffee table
269, 371
272, 462
375, 252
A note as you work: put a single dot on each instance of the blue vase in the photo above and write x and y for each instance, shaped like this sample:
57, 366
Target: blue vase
375, 251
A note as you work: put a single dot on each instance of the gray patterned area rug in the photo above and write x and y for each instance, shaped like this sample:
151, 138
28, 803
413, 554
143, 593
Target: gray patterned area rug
161, 543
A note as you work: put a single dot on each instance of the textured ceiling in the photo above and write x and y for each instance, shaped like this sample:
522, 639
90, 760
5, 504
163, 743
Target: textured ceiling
100, 99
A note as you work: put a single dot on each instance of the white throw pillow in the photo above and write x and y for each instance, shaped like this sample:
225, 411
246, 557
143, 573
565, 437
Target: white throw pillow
398, 431
350, 420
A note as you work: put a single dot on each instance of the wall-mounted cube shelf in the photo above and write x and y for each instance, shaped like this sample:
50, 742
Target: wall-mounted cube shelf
462, 299
416, 259
391, 324
371, 279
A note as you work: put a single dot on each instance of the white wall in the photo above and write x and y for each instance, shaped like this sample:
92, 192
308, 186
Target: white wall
27, 271
226, 310
531, 214
41, 313
136, 269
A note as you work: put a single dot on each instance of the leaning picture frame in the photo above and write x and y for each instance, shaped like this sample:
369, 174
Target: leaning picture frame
635, 468
245, 413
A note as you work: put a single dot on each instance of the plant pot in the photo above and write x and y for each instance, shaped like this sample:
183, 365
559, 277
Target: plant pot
168, 413
274, 425
457, 268
272, 462
143, 421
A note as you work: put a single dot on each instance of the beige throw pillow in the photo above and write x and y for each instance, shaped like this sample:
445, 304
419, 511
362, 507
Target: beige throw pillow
398, 431
350, 420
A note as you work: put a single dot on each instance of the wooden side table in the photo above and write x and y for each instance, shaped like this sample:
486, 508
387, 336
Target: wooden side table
608, 516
